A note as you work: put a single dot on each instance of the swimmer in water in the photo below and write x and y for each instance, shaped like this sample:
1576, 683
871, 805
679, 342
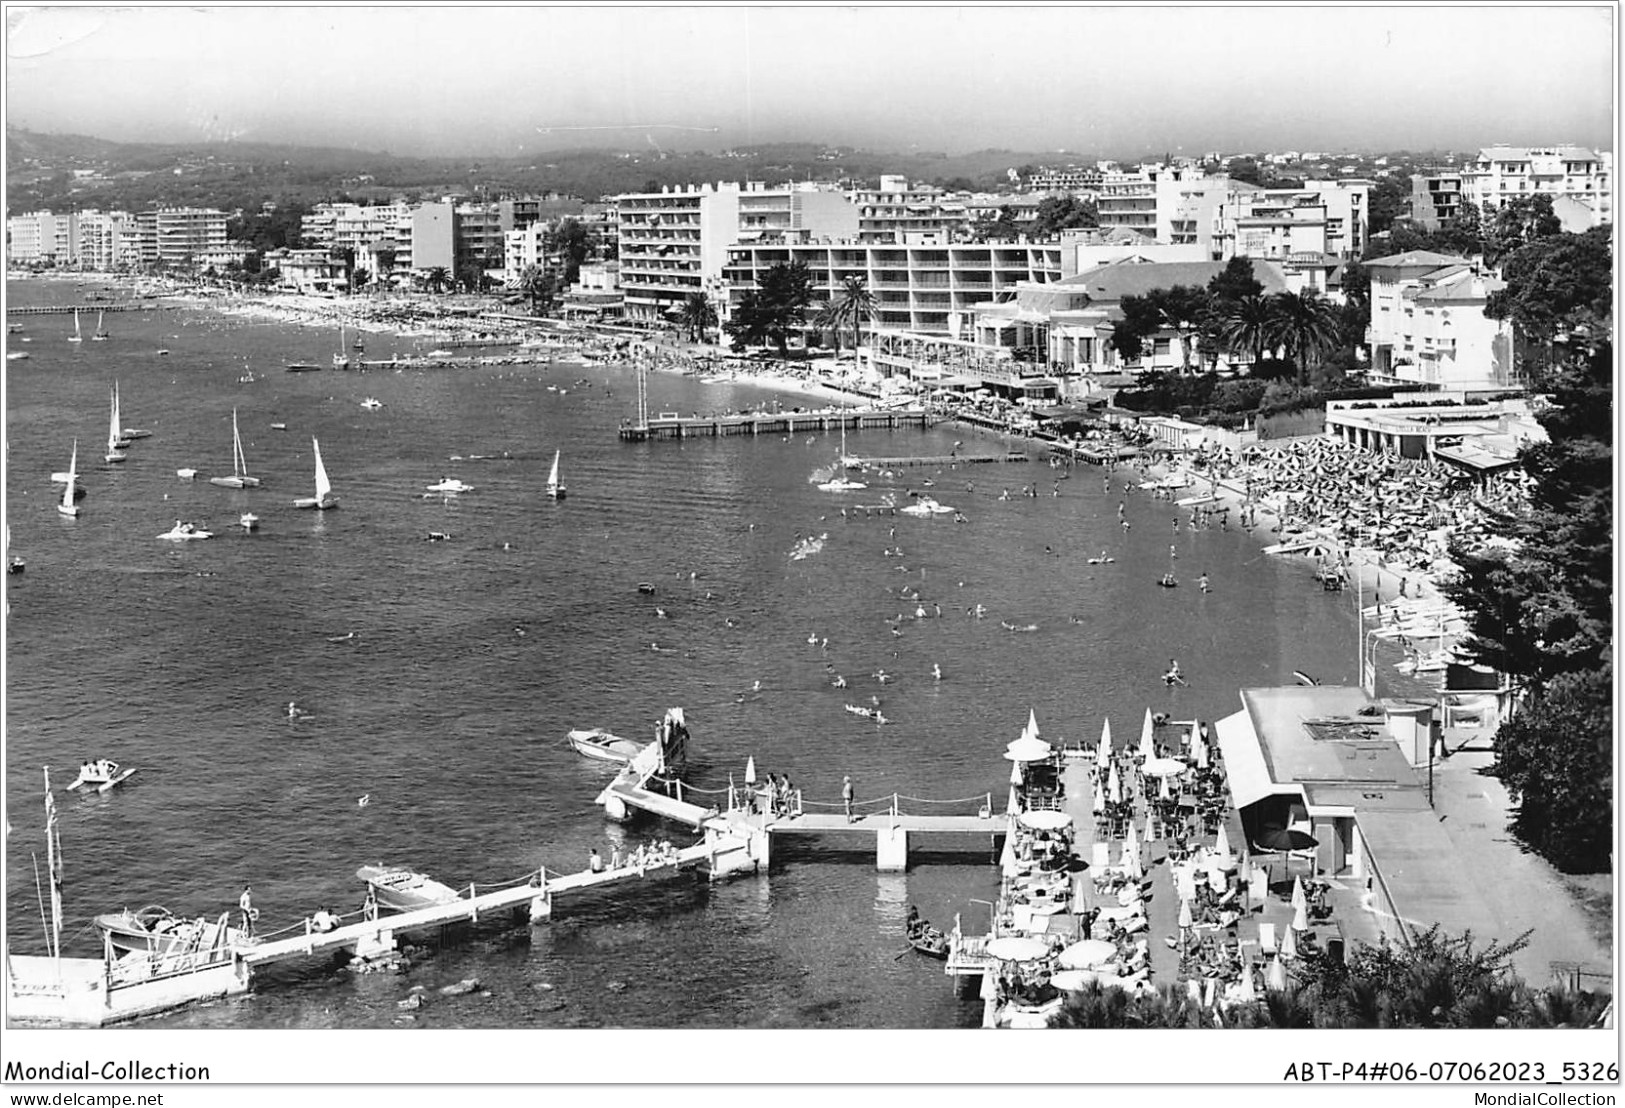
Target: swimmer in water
936, 672
1201, 583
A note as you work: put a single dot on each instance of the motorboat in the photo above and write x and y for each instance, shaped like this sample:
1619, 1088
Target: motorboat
279, 426
1168, 581
604, 746
303, 367
554, 489
372, 403
185, 532
837, 482
926, 506
101, 775
324, 498
16, 355
186, 474
646, 588
248, 521
449, 484
239, 478
15, 565
402, 890
155, 931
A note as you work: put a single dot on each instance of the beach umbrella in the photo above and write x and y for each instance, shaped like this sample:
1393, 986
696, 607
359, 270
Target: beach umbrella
1017, 948
1150, 828
1184, 914
1285, 840
1088, 954
1103, 752
1032, 724
1163, 767
1071, 980
750, 770
1099, 804
1201, 754
1298, 897
1148, 749
1167, 790
1289, 944
1248, 991
1114, 784
1015, 773
1276, 978
1300, 918
1044, 820
1028, 750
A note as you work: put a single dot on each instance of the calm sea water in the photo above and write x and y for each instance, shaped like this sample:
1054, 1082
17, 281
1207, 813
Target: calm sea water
471, 658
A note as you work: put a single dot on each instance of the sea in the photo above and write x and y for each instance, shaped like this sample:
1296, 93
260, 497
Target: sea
460, 665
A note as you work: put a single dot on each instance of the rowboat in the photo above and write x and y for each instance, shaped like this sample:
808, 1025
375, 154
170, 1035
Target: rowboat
402, 890
604, 746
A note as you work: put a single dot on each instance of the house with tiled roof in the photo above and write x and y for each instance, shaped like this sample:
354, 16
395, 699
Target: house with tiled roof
1428, 325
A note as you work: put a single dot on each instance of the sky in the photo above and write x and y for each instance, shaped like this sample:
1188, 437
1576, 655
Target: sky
1124, 80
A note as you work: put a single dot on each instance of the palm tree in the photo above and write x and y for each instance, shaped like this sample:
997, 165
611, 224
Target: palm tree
1309, 325
855, 306
536, 284
1250, 325
698, 314
437, 278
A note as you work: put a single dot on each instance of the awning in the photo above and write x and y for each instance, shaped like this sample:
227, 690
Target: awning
1244, 766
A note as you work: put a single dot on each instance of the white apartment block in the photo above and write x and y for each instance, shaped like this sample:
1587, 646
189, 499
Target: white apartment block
1323, 217
899, 214
107, 240
1150, 200
432, 240
675, 242
1428, 325
932, 289
1503, 173
40, 237
524, 248
1078, 180
361, 227
183, 233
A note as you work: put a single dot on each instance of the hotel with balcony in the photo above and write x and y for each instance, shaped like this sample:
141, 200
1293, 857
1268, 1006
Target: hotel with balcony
1428, 326
897, 213
1571, 173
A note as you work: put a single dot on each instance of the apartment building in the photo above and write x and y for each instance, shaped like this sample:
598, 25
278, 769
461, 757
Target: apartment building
931, 289
1144, 200
1428, 325
525, 247
1502, 173
1082, 181
107, 240
1322, 218
432, 242
985, 207
39, 237
1436, 196
676, 241
181, 234
898, 213
314, 272
359, 229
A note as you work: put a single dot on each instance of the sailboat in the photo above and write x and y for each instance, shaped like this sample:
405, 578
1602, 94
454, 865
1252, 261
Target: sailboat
341, 360
838, 482
239, 478
554, 489
127, 432
324, 498
68, 507
77, 336
114, 454
100, 334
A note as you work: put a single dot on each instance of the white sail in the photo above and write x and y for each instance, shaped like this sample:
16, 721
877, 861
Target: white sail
324, 488
553, 476
239, 464
67, 507
113, 442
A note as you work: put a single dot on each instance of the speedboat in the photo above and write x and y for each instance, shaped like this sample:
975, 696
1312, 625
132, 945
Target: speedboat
186, 474
16, 565
101, 775
600, 744
249, 521
16, 355
303, 367
185, 532
842, 484
926, 506
153, 931
372, 403
402, 890
449, 484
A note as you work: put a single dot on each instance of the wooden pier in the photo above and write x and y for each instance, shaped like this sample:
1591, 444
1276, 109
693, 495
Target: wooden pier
88, 307
941, 461
777, 423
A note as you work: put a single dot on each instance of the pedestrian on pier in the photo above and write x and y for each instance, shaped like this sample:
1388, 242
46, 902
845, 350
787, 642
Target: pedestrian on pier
846, 797
594, 862
246, 903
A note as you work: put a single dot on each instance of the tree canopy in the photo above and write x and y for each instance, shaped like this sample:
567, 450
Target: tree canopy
1063, 212
768, 313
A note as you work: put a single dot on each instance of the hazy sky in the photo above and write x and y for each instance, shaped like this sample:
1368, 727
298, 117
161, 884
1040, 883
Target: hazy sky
1107, 80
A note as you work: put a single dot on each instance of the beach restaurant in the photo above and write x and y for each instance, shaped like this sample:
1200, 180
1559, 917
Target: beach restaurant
1339, 769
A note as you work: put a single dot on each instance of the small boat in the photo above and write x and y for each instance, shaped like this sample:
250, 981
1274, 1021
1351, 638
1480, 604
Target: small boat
155, 931
163, 352
101, 775
185, 532
71, 488
248, 521
554, 489
928, 940
16, 355
600, 744
239, 478
324, 498
279, 426
1169, 581
114, 441
372, 403
100, 334
645, 588
403, 890
926, 506
449, 484
186, 474
303, 367
77, 335
127, 433
14, 328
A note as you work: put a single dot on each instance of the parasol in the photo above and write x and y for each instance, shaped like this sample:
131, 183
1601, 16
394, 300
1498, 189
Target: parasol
1045, 819
1017, 948
1163, 767
1028, 750
1088, 954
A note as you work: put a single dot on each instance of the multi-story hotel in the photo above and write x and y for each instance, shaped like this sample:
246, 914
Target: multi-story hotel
180, 234
1503, 173
919, 288
1083, 181
41, 237
107, 240
1428, 325
675, 242
896, 213
1435, 197
1323, 217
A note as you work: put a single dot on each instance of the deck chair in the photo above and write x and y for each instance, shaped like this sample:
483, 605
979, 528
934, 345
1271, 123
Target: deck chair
1266, 938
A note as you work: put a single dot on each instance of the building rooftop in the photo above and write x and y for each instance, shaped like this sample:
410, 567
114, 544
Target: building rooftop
1412, 258
1116, 280
1314, 734
1525, 153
